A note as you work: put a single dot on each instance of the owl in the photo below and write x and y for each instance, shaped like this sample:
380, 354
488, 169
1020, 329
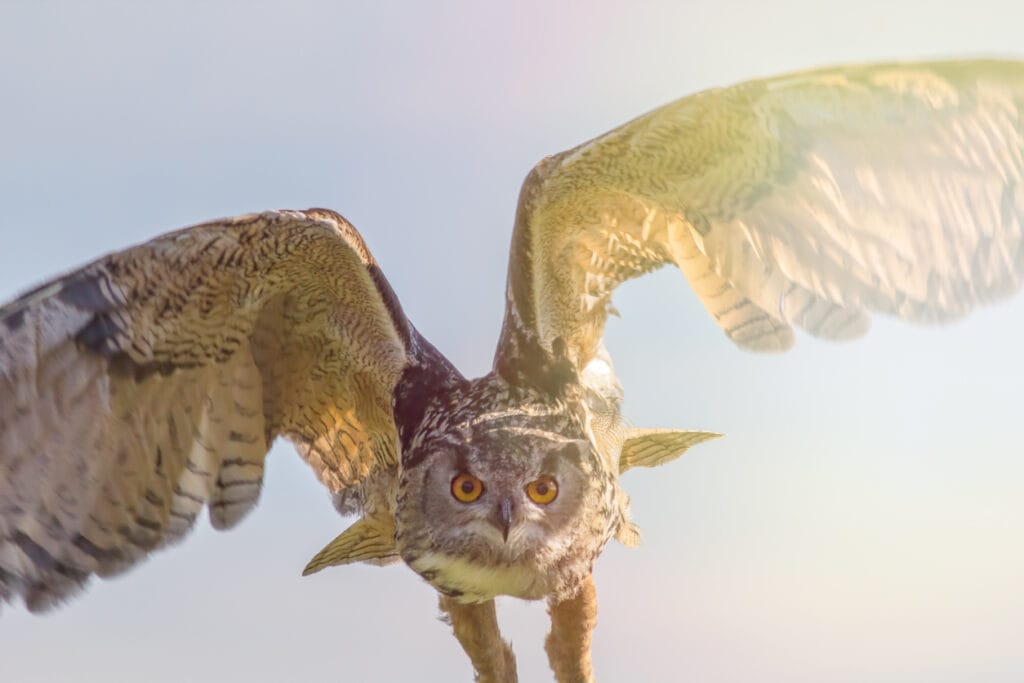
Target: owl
147, 386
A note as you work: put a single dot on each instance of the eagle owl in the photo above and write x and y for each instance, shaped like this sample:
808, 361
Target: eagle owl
148, 385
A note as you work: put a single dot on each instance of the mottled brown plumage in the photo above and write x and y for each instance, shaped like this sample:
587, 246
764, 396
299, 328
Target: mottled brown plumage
150, 383
156, 378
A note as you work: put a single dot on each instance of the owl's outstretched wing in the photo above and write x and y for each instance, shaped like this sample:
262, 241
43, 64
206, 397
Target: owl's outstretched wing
151, 382
805, 200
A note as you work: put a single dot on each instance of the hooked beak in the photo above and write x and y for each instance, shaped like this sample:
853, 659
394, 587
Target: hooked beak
505, 516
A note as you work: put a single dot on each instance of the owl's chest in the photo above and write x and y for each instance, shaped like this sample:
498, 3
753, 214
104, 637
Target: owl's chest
471, 581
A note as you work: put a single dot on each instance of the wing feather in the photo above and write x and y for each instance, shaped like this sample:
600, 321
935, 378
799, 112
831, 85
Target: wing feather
151, 383
810, 200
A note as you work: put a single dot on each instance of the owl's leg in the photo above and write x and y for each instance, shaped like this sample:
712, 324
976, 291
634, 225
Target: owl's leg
572, 629
476, 627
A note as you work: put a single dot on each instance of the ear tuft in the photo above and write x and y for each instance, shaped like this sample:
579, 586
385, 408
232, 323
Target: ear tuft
368, 540
653, 447
628, 534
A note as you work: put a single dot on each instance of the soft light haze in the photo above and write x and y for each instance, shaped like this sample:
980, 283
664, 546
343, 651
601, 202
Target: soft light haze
862, 521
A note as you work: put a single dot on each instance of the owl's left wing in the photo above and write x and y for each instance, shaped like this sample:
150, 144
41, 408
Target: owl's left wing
808, 199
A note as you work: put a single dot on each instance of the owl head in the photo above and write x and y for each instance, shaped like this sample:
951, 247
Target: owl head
502, 496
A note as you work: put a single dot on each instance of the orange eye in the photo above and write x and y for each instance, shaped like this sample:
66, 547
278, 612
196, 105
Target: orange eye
542, 491
466, 488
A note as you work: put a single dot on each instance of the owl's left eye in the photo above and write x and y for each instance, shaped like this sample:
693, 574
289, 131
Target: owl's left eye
543, 490
466, 488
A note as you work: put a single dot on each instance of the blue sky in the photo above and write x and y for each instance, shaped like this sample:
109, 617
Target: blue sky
860, 522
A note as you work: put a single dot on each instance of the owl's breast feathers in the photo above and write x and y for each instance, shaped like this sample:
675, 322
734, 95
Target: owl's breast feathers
470, 581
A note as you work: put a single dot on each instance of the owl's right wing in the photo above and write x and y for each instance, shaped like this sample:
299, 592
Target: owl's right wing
151, 382
809, 200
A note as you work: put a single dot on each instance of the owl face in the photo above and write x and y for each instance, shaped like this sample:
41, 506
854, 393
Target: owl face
507, 502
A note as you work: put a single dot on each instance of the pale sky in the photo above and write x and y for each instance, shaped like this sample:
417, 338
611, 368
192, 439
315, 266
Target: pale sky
862, 521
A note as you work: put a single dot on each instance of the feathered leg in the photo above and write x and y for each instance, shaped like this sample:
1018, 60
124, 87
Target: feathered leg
572, 629
476, 627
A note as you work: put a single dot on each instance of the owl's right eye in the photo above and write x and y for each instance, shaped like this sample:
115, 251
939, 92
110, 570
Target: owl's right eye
466, 488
